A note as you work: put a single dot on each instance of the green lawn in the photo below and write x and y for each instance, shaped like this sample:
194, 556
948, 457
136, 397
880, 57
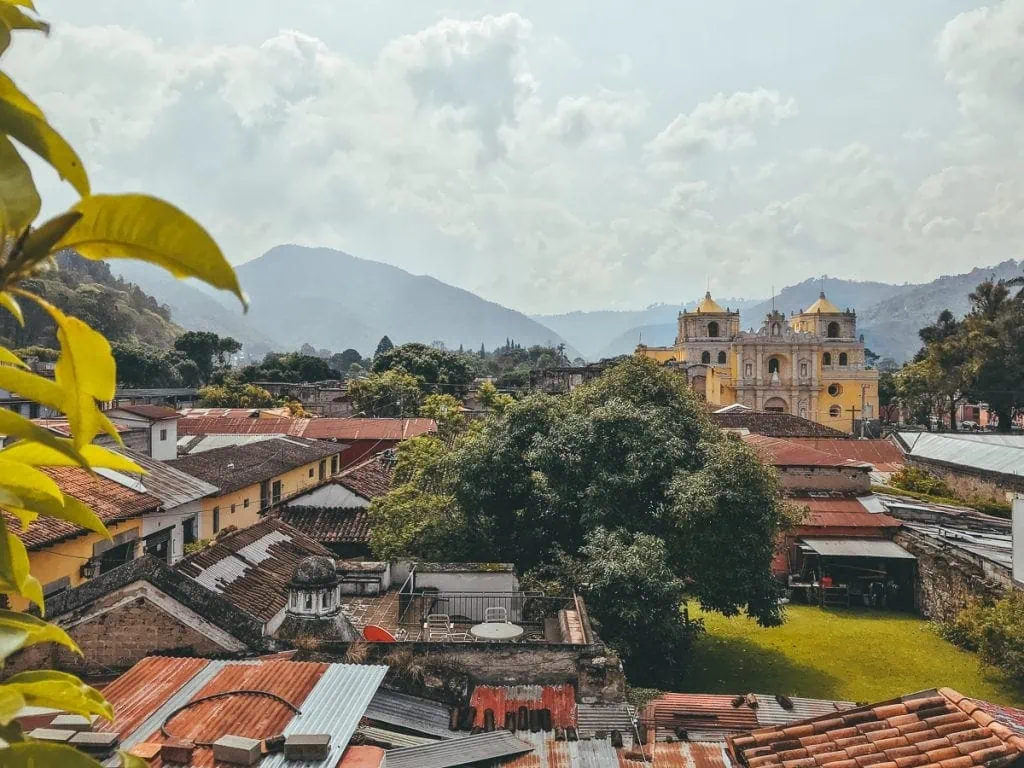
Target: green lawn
852, 654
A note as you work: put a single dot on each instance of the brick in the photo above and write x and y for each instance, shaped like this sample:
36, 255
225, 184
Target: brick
944, 753
982, 756
891, 743
853, 741
957, 762
859, 750
967, 747
792, 754
824, 758
911, 761
890, 710
883, 734
950, 728
974, 734
819, 749
896, 752
872, 759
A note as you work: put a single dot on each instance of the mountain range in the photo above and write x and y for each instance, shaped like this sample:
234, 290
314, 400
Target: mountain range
333, 300
888, 316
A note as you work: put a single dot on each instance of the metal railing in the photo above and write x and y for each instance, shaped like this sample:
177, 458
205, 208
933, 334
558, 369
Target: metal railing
527, 609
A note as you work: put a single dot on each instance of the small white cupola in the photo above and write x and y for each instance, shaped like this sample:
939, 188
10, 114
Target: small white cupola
313, 590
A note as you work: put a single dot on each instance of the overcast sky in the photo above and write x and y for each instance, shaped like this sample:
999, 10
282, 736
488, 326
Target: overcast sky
554, 155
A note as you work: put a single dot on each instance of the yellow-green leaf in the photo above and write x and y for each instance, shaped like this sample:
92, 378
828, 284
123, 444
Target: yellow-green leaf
84, 373
8, 357
31, 386
63, 451
64, 454
20, 630
23, 3
7, 302
13, 18
46, 688
19, 199
40, 241
14, 575
11, 703
38, 754
5, 38
22, 120
73, 510
149, 229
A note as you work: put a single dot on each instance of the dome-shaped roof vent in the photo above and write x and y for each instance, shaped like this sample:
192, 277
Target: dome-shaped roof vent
314, 572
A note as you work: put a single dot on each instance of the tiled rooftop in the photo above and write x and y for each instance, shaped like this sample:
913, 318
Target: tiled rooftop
330, 526
317, 429
370, 479
151, 412
933, 728
110, 500
775, 424
788, 453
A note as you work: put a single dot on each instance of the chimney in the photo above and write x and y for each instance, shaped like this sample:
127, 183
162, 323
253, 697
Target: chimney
1017, 545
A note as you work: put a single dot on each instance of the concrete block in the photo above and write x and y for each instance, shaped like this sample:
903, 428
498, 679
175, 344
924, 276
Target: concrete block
52, 735
177, 752
237, 749
100, 744
72, 723
307, 746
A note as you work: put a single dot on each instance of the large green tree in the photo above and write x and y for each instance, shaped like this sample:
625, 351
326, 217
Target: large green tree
206, 349
437, 369
389, 394
633, 453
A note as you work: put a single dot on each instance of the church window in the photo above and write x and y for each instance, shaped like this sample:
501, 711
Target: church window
842, 358
833, 330
721, 357
713, 329
773, 365
705, 357
826, 359
835, 390
835, 411
309, 601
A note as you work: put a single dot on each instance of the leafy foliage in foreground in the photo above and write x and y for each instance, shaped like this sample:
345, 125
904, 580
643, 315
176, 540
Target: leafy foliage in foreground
632, 454
995, 631
96, 227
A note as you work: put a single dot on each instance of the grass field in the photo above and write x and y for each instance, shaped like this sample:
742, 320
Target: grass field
852, 654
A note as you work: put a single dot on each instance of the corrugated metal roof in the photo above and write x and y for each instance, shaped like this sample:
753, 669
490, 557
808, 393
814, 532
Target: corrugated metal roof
709, 714
883, 455
172, 486
198, 444
331, 697
770, 712
472, 749
560, 700
988, 452
994, 547
592, 718
335, 706
410, 712
393, 739
851, 547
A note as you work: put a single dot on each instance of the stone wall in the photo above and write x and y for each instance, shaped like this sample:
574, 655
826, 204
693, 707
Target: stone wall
968, 483
948, 578
117, 632
825, 478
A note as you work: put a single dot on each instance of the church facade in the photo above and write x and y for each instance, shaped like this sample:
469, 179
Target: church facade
810, 364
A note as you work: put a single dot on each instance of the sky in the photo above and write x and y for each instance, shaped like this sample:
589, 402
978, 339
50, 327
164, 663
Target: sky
555, 156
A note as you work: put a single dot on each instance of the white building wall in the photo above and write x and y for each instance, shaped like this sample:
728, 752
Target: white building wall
164, 440
331, 496
174, 519
1018, 539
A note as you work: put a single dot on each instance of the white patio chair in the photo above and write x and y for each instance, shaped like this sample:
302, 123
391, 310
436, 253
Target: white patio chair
496, 615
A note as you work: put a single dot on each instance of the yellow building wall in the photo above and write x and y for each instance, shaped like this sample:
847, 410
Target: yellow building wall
68, 557
849, 397
659, 354
293, 482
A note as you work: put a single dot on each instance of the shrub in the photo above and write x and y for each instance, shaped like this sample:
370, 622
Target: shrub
920, 481
995, 631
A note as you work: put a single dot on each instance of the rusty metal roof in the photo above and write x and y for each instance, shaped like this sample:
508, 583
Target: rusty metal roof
331, 698
883, 455
599, 753
788, 453
172, 486
410, 712
603, 718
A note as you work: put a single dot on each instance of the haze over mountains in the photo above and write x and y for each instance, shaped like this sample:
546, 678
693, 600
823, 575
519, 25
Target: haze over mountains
330, 299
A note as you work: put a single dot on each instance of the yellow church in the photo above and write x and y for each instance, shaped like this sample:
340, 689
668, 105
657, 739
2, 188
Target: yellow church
810, 364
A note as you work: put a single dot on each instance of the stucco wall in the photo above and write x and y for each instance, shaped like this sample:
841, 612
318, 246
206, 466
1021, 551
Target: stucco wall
173, 519
67, 558
825, 478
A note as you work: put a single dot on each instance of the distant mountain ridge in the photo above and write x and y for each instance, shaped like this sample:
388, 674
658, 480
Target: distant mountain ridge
333, 300
888, 316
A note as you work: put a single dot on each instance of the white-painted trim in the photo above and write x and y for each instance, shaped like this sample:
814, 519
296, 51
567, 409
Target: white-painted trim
275, 623
168, 605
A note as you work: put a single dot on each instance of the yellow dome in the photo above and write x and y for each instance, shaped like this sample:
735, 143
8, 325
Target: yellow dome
823, 307
708, 305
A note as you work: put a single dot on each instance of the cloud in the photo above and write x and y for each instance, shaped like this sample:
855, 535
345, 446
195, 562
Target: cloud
721, 124
503, 154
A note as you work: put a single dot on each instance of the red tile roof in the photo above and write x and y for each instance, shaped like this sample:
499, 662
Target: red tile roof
252, 567
330, 526
774, 424
789, 453
370, 479
701, 712
559, 700
152, 412
318, 429
883, 455
111, 501
933, 728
